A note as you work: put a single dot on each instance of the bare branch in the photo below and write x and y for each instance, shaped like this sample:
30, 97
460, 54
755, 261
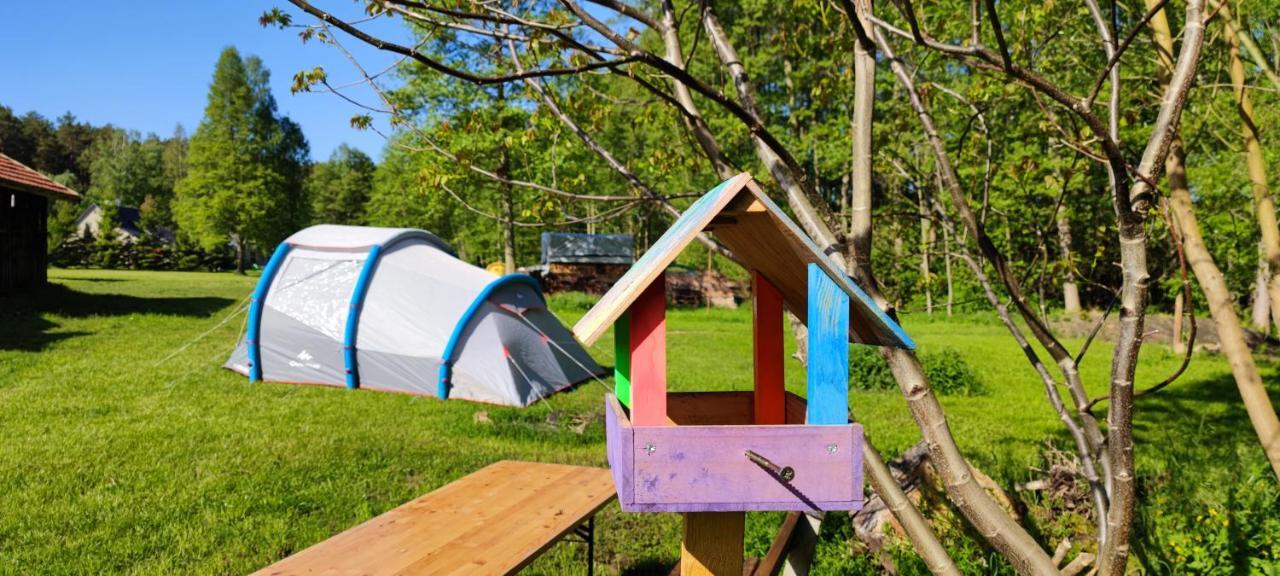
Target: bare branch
998, 30
448, 70
628, 11
1114, 57
811, 211
605, 155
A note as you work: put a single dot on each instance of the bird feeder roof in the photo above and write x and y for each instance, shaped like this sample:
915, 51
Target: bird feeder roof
762, 238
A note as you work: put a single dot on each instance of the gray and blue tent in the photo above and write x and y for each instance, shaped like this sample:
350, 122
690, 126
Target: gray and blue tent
394, 309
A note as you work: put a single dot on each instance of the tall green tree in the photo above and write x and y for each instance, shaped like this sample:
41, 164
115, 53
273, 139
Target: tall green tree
338, 189
245, 164
127, 169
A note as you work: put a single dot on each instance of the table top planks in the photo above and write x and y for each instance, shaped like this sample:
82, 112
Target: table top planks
494, 521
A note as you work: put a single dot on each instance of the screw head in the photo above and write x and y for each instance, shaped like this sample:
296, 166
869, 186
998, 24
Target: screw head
649, 448
832, 448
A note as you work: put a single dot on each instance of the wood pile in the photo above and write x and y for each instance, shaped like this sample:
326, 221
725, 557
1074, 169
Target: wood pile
690, 288
589, 278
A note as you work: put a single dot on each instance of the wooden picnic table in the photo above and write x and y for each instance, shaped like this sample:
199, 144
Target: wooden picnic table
496, 520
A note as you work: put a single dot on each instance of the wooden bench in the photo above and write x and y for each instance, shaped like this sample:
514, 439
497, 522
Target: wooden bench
494, 521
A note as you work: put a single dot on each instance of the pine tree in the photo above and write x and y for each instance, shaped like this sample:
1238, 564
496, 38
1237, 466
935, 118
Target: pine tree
340, 187
245, 164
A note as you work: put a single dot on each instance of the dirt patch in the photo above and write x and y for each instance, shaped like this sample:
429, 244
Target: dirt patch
1159, 329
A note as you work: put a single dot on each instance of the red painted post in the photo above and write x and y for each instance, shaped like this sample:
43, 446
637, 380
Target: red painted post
649, 356
770, 390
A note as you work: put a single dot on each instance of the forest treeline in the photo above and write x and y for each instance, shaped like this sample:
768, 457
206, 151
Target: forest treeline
246, 173
1044, 206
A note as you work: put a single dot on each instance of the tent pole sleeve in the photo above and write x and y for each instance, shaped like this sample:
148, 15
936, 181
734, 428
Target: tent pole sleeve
253, 334
353, 317
451, 349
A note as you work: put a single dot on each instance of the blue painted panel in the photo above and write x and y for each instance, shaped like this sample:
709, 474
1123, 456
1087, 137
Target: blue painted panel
828, 370
353, 317
451, 349
253, 332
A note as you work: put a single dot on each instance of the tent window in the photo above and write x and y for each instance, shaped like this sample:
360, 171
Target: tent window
316, 292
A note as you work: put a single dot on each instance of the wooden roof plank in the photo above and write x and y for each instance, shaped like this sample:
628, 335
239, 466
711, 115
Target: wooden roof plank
656, 259
763, 238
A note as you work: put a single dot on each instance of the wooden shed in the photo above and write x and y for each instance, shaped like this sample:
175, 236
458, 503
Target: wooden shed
588, 263
24, 208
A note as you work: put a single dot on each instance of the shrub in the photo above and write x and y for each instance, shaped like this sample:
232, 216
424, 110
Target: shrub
868, 371
949, 374
946, 369
147, 253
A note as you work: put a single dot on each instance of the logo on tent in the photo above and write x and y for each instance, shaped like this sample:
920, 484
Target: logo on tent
306, 360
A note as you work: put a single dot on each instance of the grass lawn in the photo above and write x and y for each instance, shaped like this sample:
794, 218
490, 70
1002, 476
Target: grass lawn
125, 447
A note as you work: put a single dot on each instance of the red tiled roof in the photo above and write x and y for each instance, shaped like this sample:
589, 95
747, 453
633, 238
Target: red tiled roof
18, 176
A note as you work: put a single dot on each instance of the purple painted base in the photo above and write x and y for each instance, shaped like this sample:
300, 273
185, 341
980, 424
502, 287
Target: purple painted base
704, 468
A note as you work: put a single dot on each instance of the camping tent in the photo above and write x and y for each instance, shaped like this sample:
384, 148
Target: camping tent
394, 309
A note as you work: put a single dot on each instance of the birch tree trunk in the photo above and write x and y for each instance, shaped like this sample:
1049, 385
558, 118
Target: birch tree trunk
926, 543
1070, 291
810, 216
926, 281
1212, 283
1264, 204
864, 94
1087, 434
946, 259
1261, 300
508, 214
692, 117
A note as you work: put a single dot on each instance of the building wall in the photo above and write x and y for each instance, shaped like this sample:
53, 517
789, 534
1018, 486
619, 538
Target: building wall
23, 260
89, 221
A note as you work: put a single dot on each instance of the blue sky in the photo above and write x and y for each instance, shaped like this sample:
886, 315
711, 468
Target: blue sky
146, 64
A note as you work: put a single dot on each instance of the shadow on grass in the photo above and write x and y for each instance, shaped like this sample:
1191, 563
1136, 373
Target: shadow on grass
648, 567
27, 328
1207, 411
1201, 421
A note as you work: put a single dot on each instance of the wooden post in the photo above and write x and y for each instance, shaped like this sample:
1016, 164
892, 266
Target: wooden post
713, 541
828, 369
648, 335
712, 544
770, 391
622, 359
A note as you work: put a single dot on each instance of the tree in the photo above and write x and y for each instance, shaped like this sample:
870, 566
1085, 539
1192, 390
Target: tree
127, 169
1264, 203
340, 188
1248, 379
245, 164
62, 215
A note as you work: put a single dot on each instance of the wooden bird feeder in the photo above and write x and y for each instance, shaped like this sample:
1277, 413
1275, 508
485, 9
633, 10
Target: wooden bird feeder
715, 455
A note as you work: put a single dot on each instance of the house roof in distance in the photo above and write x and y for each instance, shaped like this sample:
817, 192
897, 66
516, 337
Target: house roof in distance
572, 248
15, 175
763, 238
